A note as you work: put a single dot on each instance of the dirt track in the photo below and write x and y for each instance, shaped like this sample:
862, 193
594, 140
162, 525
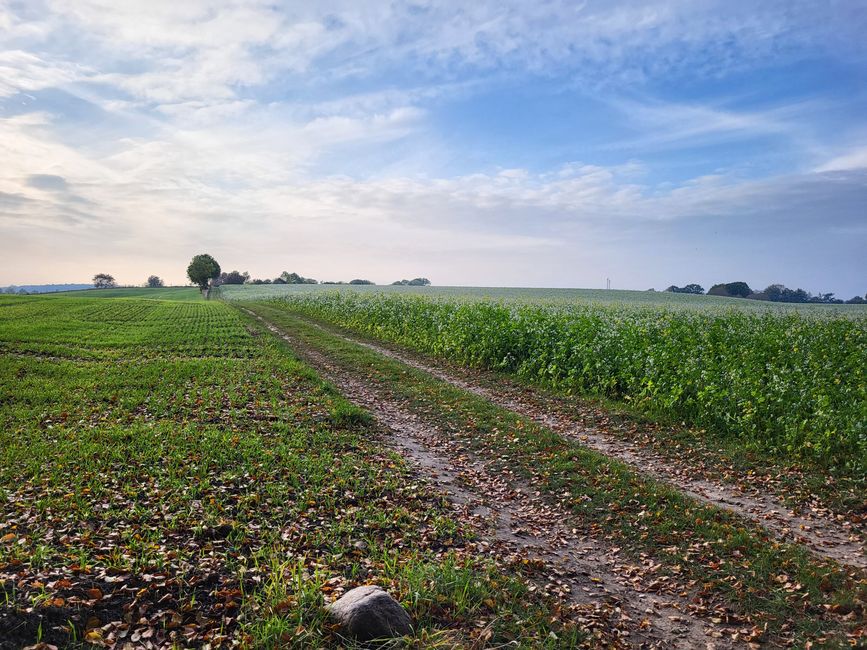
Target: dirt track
517, 525
821, 532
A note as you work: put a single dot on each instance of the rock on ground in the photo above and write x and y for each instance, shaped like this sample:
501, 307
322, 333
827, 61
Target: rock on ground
369, 612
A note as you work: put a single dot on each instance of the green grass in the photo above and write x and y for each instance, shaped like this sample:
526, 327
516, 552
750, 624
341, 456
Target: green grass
783, 382
161, 293
173, 457
727, 559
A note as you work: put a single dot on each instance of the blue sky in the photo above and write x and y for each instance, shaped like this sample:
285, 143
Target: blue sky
489, 143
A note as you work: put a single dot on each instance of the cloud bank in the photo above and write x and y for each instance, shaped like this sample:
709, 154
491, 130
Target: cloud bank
696, 141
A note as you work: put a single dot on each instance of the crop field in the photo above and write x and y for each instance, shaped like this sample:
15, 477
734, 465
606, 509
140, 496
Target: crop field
559, 297
782, 381
98, 328
188, 473
161, 293
740, 564
171, 476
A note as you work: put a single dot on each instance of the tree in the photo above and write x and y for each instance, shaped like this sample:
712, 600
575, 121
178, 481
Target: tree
739, 289
361, 282
690, 288
795, 295
774, 292
234, 277
781, 293
203, 269
731, 290
104, 281
826, 299
155, 281
294, 278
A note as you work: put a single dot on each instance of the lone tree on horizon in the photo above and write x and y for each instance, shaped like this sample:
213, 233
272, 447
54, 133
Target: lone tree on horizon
202, 270
154, 282
104, 281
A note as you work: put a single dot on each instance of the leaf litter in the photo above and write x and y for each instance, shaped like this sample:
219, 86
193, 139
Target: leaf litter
519, 527
843, 539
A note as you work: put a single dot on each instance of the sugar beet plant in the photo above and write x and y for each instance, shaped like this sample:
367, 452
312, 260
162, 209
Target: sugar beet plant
790, 383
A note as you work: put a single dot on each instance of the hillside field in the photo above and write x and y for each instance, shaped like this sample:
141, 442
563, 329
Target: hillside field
553, 296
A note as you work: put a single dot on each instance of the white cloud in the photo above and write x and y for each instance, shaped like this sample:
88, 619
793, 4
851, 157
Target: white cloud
661, 124
166, 51
22, 71
197, 124
854, 159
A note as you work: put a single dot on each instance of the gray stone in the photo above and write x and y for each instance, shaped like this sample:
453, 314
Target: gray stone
368, 613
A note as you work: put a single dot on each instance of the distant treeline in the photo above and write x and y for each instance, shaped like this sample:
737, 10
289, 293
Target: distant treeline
42, 288
237, 277
771, 293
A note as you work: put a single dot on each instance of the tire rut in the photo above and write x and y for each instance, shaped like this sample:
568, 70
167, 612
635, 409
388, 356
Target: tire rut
518, 526
823, 535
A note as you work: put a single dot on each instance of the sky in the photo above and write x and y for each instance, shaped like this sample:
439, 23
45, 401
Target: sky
502, 143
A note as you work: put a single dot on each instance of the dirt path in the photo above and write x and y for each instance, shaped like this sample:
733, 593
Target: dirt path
640, 608
821, 533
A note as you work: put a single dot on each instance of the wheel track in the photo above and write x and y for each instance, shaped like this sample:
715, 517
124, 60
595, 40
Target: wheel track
523, 526
822, 534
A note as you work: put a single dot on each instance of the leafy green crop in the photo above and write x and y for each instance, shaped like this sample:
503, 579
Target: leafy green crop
786, 381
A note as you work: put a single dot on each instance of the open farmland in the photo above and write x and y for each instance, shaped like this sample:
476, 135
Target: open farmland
539, 431
171, 476
174, 473
537, 296
158, 293
789, 382
246, 402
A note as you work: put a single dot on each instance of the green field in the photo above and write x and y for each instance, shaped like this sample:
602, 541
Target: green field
161, 293
560, 297
172, 458
170, 470
736, 563
784, 381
